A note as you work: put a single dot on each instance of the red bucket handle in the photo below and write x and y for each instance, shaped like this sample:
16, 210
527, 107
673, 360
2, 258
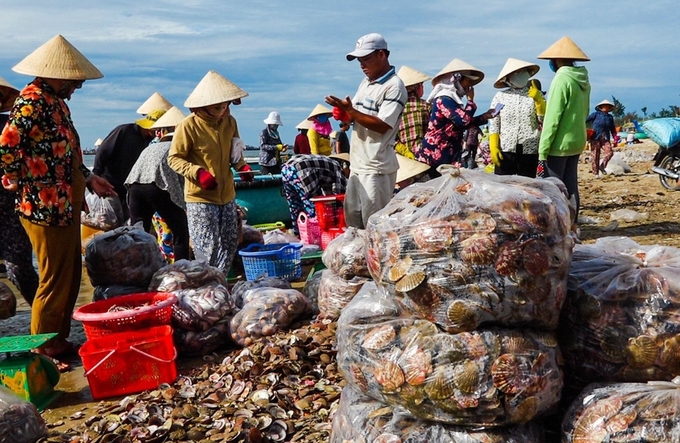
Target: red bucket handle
113, 351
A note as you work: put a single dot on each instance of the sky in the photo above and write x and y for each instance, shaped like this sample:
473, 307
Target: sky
288, 55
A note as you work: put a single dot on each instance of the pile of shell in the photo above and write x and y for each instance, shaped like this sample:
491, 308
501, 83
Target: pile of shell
281, 388
458, 260
620, 322
362, 419
625, 412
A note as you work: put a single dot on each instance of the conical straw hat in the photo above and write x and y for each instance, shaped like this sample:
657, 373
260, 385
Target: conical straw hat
564, 48
9, 95
170, 119
409, 168
458, 65
604, 103
412, 77
511, 66
58, 59
304, 124
156, 101
213, 89
319, 110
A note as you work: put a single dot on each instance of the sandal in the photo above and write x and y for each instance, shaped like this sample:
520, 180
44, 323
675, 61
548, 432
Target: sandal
62, 366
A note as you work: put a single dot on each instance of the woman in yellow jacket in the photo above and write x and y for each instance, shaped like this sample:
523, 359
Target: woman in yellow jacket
201, 151
319, 133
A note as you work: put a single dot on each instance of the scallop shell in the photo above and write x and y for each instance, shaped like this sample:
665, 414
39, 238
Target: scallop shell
373, 263
480, 249
400, 268
358, 377
613, 344
441, 384
670, 354
481, 222
462, 315
379, 337
417, 331
516, 344
538, 214
536, 257
410, 281
389, 376
642, 351
545, 338
392, 248
506, 374
589, 429
466, 377
417, 365
589, 307
433, 235
621, 421
509, 258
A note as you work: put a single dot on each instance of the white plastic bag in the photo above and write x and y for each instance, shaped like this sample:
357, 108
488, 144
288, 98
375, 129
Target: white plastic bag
105, 213
628, 215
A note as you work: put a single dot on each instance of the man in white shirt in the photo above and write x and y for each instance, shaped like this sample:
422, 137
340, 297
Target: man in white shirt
374, 112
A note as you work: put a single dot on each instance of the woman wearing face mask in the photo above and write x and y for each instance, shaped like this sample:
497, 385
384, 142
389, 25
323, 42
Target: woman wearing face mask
515, 133
319, 133
450, 116
271, 146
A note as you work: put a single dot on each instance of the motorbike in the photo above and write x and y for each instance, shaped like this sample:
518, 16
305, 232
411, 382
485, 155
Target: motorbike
667, 165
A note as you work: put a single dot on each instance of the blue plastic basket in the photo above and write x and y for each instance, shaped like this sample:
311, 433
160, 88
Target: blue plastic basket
280, 260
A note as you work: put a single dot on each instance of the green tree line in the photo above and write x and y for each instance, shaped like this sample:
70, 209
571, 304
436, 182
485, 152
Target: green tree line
621, 117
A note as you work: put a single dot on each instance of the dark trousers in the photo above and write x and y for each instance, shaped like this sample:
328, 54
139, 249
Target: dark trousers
518, 163
145, 199
566, 169
276, 169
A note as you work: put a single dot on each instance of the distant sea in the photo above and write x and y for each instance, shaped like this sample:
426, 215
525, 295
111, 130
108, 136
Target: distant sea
88, 159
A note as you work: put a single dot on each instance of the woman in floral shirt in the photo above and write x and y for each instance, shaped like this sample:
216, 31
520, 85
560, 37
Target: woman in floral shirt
40, 158
450, 117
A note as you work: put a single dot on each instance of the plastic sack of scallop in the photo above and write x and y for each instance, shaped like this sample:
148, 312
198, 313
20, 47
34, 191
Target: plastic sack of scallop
20, 421
620, 322
194, 343
105, 213
335, 292
197, 309
125, 256
184, 274
8, 302
625, 412
489, 377
271, 311
470, 248
360, 419
244, 287
346, 254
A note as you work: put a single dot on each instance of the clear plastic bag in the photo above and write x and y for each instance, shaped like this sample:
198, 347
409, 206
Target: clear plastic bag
20, 421
8, 302
362, 419
124, 256
625, 412
186, 274
335, 293
620, 322
193, 343
273, 310
494, 249
105, 213
311, 290
244, 287
490, 377
197, 309
345, 255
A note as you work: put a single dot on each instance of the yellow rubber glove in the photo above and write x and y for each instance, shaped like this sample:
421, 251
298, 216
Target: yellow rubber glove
279, 147
403, 150
539, 100
495, 149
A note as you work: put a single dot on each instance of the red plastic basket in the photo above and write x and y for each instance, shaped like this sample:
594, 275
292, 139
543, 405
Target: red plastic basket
330, 211
150, 309
129, 362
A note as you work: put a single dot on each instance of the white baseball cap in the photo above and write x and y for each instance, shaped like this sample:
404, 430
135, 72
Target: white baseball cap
366, 45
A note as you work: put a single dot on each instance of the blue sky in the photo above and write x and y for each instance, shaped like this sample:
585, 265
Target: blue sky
289, 55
